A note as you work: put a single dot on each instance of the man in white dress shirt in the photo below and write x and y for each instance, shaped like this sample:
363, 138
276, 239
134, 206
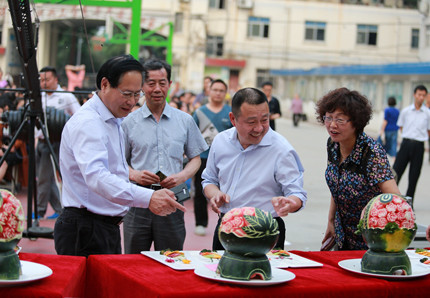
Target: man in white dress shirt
250, 165
96, 190
414, 123
47, 190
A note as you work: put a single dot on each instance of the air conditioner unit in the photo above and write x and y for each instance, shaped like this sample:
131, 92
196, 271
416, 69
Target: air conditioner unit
245, 4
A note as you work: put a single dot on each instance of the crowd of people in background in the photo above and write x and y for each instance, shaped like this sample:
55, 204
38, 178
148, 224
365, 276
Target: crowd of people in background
176, 149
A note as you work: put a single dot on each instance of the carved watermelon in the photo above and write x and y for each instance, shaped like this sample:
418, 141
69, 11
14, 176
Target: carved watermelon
388, 226
11, 227
247, 234
388, 223
248, 231
239, 267
393, 263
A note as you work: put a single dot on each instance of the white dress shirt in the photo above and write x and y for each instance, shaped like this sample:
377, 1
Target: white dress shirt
66, 102
415, 123
93, 166
253, 176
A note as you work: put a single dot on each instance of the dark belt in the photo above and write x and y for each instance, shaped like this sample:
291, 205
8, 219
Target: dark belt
413, 141
114, 220
152, 186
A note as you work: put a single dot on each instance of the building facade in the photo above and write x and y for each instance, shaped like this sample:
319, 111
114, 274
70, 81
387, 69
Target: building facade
240, 41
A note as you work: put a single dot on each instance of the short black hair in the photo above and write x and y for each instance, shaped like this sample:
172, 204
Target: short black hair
114, 68
156, 64
251, 96
392, 101
219, 81
352, 103
49, 69
421, 88
267, 83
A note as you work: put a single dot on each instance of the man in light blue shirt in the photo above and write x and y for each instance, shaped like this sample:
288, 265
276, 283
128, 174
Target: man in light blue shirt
250, 165
157, 136
414, 123
96, 190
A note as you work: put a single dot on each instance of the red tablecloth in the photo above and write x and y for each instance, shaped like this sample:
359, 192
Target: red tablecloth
140, 276
67, 279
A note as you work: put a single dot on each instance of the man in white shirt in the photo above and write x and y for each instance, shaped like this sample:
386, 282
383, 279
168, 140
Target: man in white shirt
97, 192
414, 123
250, 165
47, 190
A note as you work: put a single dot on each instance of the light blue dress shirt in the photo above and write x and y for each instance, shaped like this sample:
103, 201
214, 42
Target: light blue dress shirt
160, 146
253, 176
93, 166
415, 123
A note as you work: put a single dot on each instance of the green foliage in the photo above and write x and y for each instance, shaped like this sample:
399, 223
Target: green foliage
360, 227
260, 225
391, 227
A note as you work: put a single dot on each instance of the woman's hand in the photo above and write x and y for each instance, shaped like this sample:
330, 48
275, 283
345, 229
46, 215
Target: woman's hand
329, 237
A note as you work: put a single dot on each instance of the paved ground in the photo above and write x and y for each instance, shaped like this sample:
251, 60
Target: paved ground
305, 229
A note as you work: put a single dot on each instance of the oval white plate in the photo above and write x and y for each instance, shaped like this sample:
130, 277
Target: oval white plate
30, 272
354, 265
278, 276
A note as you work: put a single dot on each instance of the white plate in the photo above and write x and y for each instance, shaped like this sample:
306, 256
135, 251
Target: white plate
278, 276
30, 272
293, 261
354, 265
177, 265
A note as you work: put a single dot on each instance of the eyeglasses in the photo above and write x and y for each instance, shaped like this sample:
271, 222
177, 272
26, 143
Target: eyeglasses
338, 121
129, 94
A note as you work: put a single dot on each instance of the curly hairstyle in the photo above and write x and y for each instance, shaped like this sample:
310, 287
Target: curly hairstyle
356, 106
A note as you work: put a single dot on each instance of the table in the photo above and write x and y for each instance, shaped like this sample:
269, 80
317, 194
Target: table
140, 276
67, 279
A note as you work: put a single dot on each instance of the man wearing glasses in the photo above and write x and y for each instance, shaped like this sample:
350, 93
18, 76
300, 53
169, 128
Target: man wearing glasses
96, 190
157, 136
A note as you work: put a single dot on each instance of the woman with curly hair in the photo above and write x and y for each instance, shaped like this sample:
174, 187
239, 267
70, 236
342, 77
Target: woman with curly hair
357, 167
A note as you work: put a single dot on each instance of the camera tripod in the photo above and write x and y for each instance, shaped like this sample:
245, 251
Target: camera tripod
32, 120
33, 112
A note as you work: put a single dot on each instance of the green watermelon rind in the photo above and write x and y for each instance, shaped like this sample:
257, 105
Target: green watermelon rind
232, 266
385, 263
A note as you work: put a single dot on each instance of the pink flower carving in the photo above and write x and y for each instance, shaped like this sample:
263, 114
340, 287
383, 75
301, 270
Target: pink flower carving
11, 217
234, 220
396, 211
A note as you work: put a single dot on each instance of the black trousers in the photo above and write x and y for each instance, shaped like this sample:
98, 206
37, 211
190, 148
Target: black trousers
216, 244
200, 203
411, 152
80, 234
296, 119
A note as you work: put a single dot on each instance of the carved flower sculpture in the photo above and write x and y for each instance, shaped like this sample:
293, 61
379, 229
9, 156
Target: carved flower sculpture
11, 217
388, 223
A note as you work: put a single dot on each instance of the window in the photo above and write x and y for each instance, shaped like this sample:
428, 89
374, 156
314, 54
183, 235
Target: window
263, 75
214, 46
258, 27
315, 31
179, 21
415, 38
367, 34
217, 4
